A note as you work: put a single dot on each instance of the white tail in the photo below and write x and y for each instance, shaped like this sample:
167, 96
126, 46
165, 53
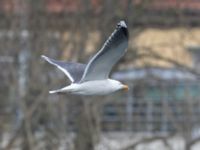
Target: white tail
59, 90
56, 91
52, 92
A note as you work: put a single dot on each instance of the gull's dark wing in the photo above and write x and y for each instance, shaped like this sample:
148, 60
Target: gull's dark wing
74, 71
101, 64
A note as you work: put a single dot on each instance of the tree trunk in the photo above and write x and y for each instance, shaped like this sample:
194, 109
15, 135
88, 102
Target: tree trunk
84, 133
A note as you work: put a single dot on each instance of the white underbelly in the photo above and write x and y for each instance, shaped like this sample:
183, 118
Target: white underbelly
101, 87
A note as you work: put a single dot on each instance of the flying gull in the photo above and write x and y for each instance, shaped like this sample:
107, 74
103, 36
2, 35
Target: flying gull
93, 78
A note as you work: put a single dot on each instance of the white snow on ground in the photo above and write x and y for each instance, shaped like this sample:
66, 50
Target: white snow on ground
116, 141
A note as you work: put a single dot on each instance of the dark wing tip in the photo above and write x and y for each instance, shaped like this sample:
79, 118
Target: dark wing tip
122, 26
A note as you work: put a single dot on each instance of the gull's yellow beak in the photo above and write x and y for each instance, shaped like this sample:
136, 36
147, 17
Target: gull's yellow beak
125, 88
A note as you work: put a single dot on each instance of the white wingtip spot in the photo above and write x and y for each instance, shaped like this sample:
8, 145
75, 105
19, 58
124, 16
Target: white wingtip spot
122, 23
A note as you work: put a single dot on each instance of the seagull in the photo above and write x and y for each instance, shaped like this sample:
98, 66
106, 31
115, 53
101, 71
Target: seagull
93, 78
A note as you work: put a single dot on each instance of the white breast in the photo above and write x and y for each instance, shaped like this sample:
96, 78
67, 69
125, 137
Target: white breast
99, 87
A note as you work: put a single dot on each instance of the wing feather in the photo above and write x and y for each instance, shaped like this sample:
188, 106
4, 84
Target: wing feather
73, 71
101, 64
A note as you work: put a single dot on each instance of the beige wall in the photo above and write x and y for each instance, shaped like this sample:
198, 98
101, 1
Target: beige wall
168, 43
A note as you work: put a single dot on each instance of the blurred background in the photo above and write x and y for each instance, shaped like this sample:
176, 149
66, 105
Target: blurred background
162, 68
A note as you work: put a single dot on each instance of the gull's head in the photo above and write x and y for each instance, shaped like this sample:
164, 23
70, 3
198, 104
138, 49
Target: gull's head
120, 86
125, 87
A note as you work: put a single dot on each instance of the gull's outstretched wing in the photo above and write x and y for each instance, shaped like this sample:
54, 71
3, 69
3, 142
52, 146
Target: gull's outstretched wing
101, 64
74, 71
